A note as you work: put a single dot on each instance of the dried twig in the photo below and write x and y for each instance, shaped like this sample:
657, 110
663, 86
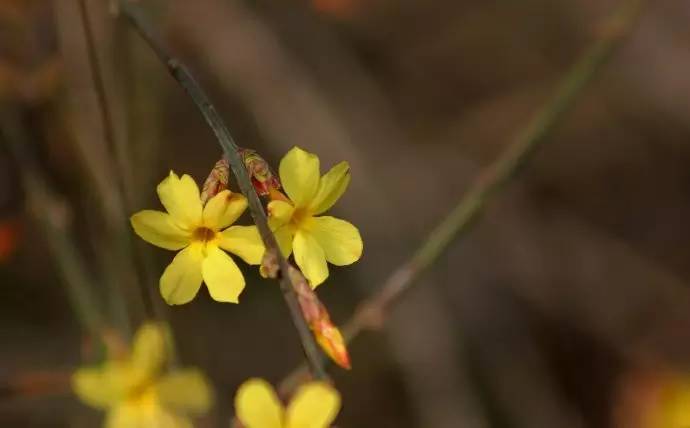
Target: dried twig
131, 268
35, 384
116, 299
182, 75
372, 312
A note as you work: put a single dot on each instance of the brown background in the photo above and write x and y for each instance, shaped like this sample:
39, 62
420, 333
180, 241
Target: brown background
572, 286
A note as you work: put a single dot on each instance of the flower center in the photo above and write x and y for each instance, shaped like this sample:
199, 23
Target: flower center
299, 216
144, 398
203, 234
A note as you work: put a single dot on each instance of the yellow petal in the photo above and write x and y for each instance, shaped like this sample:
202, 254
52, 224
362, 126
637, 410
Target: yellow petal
132, 414
285, 236
149, 349
257, 405
315, 405
299, 174
223, 209
222, 276
310, 258
331, 187
243, 241
185, 390
124, 416
182, 278
159, 229
93, 387
279, 213
340, 240
180, 197
178, 421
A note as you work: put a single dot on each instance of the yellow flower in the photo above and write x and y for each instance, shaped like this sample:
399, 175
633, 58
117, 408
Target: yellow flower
200, 232
315, 405
314, 240
674, 406
136, 393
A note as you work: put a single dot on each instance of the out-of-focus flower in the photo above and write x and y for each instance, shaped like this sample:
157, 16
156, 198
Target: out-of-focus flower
654, 398
136, 393
676, 403
314, 240
314, 405
202, 233
327, 335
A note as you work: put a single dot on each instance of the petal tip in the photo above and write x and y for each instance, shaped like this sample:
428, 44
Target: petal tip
235, 300
315, 283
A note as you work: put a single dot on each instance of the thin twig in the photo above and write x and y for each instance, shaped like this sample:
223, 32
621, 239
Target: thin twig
136, 264
118, 233
118, 151
182, 75
372, 312
35, 384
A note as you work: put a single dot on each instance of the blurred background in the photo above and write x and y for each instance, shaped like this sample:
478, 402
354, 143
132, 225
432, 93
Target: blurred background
566, 305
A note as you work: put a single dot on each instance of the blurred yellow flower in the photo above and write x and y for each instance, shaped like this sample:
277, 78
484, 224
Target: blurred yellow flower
135, 392
652, 397
674, 411
314, 240
200, 231
314, 405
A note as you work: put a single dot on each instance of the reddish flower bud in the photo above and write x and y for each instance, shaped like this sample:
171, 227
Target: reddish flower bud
263, 178
217, 180
327, 335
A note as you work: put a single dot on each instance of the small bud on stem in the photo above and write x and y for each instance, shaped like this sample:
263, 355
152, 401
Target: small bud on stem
327, 335
217, 180
262, 176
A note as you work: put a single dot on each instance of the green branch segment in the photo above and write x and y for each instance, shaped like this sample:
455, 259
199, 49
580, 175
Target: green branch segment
491, 181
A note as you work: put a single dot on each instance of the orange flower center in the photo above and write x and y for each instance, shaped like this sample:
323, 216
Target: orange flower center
144, 397
203, 234
299, 216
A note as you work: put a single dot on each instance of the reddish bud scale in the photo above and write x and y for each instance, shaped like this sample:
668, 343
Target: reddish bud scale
217, 180
261, 174
327, 335
277, 195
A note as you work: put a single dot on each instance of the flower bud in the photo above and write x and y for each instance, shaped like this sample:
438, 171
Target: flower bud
327, 335
263, 178
217, 180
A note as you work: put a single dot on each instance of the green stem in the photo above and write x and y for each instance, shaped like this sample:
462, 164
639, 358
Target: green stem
493, 180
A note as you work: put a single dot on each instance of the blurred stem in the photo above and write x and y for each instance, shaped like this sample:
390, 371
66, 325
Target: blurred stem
129, 260
35, 384
53, 216
372, 312
118, 149
182, 75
